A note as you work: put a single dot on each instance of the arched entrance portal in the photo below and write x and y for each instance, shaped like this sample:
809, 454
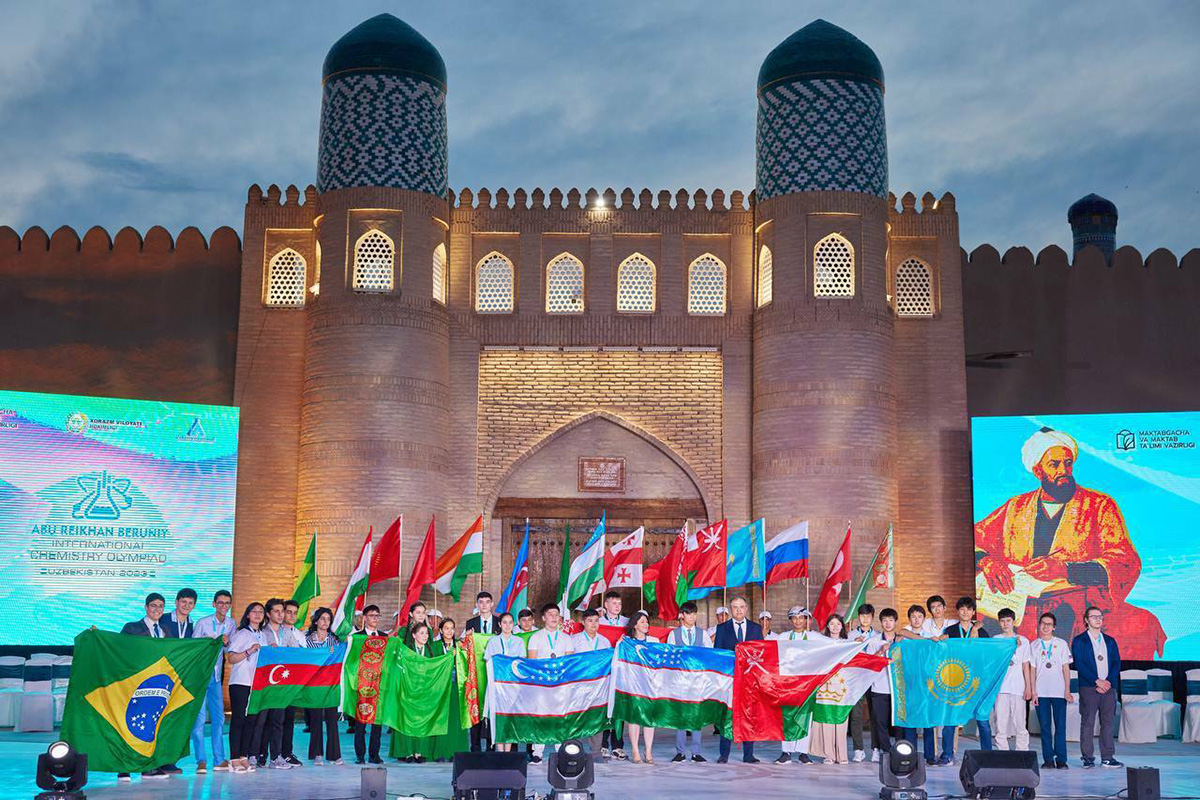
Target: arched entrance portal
594, 464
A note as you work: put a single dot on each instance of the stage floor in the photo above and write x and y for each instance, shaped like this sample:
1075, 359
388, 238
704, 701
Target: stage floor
614, 781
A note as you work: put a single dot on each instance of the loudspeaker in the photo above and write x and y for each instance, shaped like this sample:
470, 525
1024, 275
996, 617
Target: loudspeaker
373, 785
490, 774
996, 773
1143, 783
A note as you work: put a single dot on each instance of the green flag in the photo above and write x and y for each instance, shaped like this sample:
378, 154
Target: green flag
472, 686
564, 572
414, 695
133, 700
308, 585
877, 576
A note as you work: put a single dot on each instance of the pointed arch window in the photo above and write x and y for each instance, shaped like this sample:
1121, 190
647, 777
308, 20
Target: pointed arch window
564, 285
833, 267
374, 263
636, 285
914, 289
706, 285
765, 286
285, 280
494, 285
439, 273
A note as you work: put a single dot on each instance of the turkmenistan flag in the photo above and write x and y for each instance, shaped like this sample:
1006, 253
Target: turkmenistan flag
308, 585
133, 700
463, 558
299, 677
414, 696
665, 686
471, 673
551, 699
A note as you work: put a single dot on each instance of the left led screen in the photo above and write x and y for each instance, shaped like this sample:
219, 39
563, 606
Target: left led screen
105, 500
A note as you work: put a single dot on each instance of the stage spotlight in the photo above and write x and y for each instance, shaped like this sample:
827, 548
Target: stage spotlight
902, 773
570, 772
62, 772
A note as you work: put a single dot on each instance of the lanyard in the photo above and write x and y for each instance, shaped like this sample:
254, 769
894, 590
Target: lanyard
504, 642
553, 642
1047, 653
595, 640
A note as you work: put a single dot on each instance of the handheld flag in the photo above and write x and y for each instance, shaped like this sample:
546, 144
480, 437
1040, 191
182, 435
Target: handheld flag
831, 590
878, 575
787, 554
351, 599
949, 682
623, 561
463, 558
422, 574
385, 561
516, 593
302, 677
549, 700
308, 584
666, 686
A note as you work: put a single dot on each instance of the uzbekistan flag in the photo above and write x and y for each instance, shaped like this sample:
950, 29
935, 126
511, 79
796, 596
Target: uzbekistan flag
301, 677
666, 686
787, 554
549, 700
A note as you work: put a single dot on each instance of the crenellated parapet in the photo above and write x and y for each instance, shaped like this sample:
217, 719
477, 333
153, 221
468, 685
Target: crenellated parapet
645, 200
1091, 259
936, 216
281, 197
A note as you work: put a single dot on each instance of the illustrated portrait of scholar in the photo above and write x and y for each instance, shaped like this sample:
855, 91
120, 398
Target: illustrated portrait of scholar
1072, 538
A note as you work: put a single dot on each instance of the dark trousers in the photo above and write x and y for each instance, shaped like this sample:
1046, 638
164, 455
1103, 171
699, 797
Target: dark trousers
612, 740
930, 743
323, 734
881, 720
289, 730
360, 740
481, 732
1054, 737
727, 744
268, 734
1092, 703
856, 722
241, 726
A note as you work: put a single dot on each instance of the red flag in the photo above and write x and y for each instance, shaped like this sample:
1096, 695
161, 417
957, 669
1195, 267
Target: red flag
424, 572
623, 561
614, 632
671, 577
709, 557
831, 590
385, 560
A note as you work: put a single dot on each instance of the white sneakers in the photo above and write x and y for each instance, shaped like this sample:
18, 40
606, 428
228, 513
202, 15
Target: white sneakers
279, 763
859, 756
318, 761
874, 756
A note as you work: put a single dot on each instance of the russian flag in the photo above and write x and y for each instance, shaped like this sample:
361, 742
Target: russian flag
787, 554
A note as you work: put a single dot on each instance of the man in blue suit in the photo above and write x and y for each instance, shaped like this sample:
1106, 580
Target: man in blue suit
729, 633
179, 623
1098, 662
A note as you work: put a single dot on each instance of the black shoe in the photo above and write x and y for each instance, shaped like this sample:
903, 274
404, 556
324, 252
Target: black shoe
376, 760
803, 758
1060, 765
699, 759
723, 760
678, 757
155, 774
535, 759
360, 760
420, 759
1089, 762
262, 762
1047, 765
171, 769
1110, 762
750, 760
295, 762
784, 758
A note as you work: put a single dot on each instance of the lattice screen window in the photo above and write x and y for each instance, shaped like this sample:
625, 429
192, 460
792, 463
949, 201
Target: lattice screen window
706, 286
635, 285
833, 267
439, 273
494, 285
285, 280
914, 289
764, 276
564, 286
374, 263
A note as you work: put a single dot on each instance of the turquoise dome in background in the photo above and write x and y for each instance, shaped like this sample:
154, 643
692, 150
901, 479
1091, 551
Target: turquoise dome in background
386, 44
821, 50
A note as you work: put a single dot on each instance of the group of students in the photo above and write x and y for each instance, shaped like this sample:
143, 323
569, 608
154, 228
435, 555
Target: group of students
1039, 673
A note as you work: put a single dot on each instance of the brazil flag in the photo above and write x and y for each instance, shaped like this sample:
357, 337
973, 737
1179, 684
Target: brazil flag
133, 700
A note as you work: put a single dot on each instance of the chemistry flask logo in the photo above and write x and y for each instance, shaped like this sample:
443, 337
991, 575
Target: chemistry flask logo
1126, 440
104, 496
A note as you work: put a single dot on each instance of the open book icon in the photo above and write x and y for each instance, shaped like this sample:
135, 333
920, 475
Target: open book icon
1025, 586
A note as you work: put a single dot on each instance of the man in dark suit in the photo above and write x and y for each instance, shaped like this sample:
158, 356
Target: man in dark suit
179, 624
729, 634
149, 625
487, 623
1098, 662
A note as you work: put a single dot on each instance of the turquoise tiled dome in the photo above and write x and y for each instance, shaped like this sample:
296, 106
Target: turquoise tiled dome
386, 44
821, 50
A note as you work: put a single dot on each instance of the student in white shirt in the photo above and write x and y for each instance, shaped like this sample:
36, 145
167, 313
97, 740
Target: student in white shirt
764, 622
243, 658
549, 642
916, 629
935, 624
1051, 659
861, 633
879, 696
218, 625
611, 612
688, 635
589, 638
291, 613
1008, 716
505, 644
271, 722
801, 619
722, 614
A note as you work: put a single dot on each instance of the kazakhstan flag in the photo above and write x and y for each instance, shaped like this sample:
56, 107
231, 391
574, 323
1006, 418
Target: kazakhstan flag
949, 682
133, 700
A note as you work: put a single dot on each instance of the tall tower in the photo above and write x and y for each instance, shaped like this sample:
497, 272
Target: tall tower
824, 420
374, 420
1093, 221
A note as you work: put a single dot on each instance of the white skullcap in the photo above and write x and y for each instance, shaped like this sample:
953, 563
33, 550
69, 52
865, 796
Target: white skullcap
798, 611
433, 612
1036, 446
722, 610
764, 614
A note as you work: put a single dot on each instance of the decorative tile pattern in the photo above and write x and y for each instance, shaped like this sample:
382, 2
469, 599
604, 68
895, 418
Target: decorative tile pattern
564, 286
765, 287
914, 289
821, 135
706, 286
374, 263
494, 285
285, 280
635, 285
833, 267
439, 273
382, 130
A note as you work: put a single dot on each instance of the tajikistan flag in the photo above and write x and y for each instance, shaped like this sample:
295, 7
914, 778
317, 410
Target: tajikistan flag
838, 695
665, 686
463, 558
549, 700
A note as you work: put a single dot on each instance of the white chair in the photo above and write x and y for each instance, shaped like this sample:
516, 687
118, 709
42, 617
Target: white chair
37, 702
1142, 713
42, 657
1191, 717
1160, 685
62, 678
12, 668
1073, 721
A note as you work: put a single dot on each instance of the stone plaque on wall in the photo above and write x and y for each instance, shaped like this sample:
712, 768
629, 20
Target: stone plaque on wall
601, 474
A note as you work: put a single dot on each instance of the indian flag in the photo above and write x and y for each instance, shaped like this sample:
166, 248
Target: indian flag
549, 700
351, 597
465, 557
665, 686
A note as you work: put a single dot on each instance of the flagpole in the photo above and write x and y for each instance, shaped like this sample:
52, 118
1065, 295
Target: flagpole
850, 596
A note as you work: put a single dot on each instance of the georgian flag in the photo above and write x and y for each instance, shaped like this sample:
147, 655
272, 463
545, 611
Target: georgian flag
623, 561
